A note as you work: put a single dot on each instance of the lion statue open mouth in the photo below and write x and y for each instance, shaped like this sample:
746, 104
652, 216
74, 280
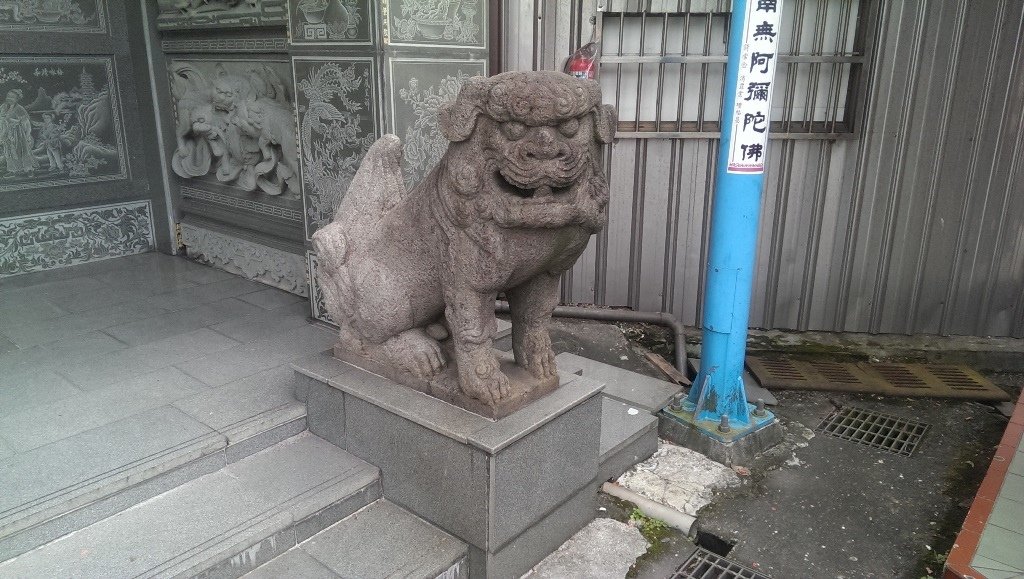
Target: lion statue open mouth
510, 206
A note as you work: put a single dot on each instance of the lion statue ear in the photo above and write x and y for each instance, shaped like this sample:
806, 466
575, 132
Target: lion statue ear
604, 123
457, 118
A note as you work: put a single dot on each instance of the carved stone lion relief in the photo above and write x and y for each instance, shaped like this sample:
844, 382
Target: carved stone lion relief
411, 276
235, 122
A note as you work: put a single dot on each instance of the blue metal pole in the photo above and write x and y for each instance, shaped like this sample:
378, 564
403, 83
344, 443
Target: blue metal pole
735, 211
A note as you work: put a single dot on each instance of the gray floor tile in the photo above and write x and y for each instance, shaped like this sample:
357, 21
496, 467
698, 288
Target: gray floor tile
1002, 545
18, 391
1017, 464
48, 469
272, 298
224, 407
35, 359
18, 309
105, 370
362, 545
190, 297
6, 345
5, 450
110, 295
644, 392
171, 323
87, 345
1007, 513
45, 331
264, 324
1013, 488
251, 357
204, 274
40, 425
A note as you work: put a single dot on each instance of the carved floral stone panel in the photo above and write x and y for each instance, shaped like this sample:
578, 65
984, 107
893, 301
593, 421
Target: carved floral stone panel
60, 122
330, 21
235, 126
419, 88
70, 237
337, 112
53, 16
254, 261
460, 23
185, 14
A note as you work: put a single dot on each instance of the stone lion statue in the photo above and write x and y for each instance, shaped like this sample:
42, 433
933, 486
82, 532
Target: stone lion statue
509, 207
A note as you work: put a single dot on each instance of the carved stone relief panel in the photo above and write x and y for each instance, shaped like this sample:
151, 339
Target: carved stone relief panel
235, 128
450, 23
317, 303
338, 121
330, 21
53, 16
60, 122
73, 236
255, 261
179, 14
418, 88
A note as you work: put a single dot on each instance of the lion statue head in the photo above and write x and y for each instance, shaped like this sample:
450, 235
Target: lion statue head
524, 150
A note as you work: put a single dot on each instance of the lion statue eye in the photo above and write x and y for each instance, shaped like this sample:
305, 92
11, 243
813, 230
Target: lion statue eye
514, 130
569, 127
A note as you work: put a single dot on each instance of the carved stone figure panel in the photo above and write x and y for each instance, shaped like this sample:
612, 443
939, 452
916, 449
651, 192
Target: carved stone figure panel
60, 122
338, 121
330, 21
411, 275
460, 23
184, 14
53, 16
235, 126
419, 87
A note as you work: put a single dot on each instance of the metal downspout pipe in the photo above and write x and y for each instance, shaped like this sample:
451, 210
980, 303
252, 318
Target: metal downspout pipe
609, 315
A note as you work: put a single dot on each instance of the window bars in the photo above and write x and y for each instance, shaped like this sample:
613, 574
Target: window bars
664, 62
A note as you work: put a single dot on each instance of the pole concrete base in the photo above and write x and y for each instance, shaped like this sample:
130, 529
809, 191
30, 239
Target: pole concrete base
739, 446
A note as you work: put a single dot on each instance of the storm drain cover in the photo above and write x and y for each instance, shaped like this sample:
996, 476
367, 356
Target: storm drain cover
786, 373
875, 429
933, 380
704, 564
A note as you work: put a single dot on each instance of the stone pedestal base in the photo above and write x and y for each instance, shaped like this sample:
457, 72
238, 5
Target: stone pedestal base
737, 447
514, 489
445, 385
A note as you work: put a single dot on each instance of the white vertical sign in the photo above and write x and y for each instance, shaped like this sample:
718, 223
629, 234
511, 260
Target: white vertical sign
750, 115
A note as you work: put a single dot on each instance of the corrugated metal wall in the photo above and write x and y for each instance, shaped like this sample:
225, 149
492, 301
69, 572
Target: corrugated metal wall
912, 224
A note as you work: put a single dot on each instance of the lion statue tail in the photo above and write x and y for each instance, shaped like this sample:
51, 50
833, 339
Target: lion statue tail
377, 187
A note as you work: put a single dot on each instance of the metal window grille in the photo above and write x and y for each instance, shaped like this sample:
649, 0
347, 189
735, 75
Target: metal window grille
664, 62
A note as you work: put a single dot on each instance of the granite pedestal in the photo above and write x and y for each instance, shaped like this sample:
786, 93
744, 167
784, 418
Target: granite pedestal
514, 488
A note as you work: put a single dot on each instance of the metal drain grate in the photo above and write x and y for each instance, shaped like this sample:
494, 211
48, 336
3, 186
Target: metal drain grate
936, 380
704, 564
785, 373
875, 429
893, 379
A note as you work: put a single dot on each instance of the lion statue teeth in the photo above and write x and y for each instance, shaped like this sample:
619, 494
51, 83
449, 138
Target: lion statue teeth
411, 276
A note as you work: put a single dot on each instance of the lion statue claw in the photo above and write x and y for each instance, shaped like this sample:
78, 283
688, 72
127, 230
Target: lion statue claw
510, 206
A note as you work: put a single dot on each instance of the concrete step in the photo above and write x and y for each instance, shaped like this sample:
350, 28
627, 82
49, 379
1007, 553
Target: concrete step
643, 392
628, 435
82, 477
221, 524
381, 540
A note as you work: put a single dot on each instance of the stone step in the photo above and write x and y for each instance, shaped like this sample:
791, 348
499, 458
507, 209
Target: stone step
643, 392
628, 435
83, 477
223, 524
381, 540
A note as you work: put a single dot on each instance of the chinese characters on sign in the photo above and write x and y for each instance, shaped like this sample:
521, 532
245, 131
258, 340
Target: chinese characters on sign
752, 110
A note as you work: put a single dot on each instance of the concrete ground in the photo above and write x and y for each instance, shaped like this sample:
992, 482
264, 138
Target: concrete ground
818, 506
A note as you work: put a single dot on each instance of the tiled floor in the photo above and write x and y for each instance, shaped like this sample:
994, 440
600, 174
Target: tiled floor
1000, 553
118, 361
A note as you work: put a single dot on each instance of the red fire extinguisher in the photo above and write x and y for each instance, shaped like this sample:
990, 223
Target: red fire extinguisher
584, 62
